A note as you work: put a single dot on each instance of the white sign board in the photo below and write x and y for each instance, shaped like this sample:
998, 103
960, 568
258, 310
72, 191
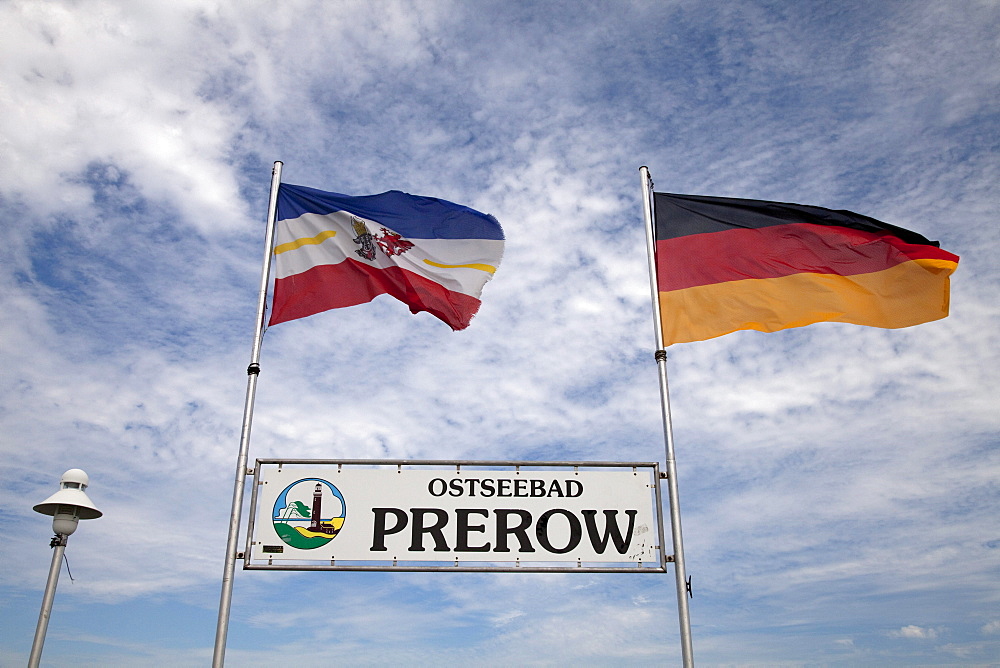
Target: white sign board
337, 513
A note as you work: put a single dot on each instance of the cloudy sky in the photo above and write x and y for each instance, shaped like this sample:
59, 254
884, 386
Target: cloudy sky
838, 483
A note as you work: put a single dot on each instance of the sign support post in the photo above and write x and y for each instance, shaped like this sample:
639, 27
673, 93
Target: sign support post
684, 617
226, 598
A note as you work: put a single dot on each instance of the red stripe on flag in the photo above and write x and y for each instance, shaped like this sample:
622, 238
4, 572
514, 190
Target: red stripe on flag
781, 250
350, 283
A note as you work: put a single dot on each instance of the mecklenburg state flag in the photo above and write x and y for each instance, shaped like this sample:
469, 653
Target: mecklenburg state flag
728, 264
335, 250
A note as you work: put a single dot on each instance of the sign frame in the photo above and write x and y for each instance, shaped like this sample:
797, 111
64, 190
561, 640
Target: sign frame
652, 469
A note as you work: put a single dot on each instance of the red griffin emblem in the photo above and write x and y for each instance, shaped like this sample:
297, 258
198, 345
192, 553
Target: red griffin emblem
389, 242
392, 244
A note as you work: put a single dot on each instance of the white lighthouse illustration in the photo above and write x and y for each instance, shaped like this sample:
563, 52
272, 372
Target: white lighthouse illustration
317, 525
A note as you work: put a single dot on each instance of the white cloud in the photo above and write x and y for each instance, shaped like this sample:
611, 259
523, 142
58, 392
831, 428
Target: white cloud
70, 109
914, 632
991, 628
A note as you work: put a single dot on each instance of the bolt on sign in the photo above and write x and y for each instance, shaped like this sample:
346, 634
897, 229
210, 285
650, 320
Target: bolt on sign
437, 515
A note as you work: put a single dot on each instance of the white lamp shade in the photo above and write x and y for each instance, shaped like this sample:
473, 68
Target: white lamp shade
71, 494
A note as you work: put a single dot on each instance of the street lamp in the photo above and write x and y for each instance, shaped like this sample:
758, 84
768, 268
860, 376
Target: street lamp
67, 507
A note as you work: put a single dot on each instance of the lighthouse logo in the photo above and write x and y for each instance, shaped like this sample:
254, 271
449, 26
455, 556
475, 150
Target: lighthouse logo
309, 513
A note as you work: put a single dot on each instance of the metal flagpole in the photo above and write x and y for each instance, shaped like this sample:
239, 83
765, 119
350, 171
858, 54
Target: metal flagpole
225, 600
683, 585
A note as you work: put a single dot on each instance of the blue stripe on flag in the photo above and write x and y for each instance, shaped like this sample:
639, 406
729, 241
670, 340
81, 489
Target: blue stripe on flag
411, 216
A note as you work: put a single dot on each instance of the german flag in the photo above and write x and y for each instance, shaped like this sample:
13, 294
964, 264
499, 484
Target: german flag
727, 264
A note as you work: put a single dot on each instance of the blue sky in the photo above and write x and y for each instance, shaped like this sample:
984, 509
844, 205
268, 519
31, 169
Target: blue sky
838, 483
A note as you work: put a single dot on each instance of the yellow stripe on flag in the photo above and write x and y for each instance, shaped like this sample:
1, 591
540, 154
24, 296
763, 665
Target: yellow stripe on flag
305, 241
481, 267
907, 294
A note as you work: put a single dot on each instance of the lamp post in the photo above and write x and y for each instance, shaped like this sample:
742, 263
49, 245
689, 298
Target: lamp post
67, 507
